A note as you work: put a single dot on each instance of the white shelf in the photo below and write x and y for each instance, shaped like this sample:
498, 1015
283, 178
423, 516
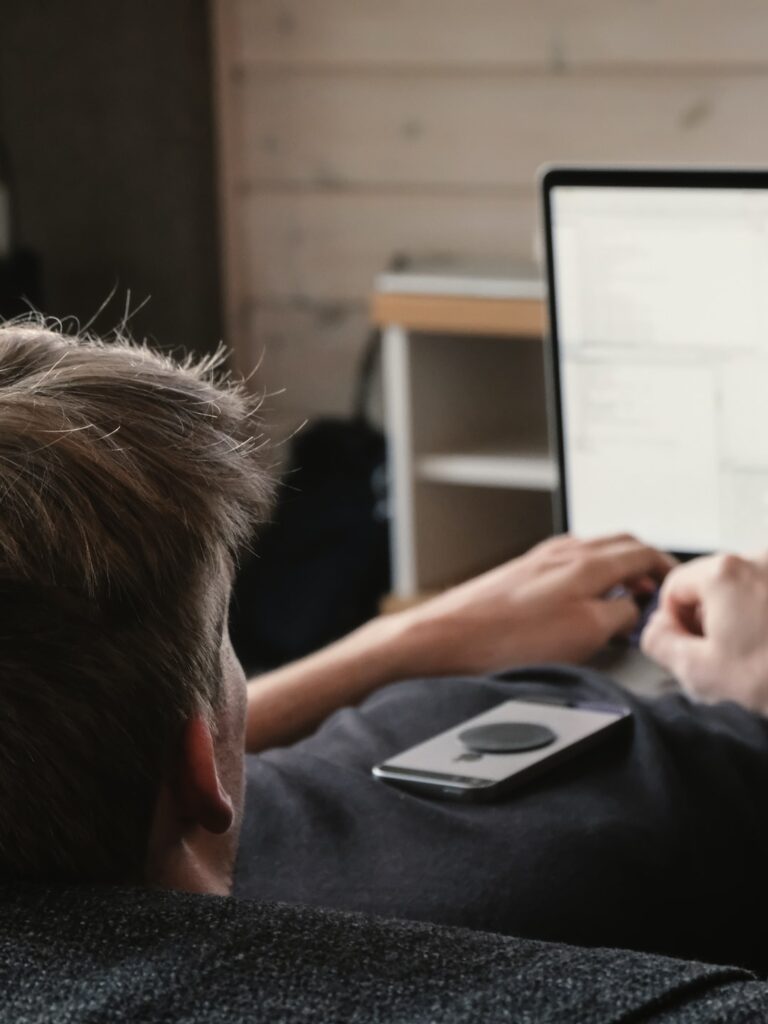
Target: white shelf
472, 478
464, 286
521, 470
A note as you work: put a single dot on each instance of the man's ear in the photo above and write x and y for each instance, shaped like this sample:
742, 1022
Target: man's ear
198, 788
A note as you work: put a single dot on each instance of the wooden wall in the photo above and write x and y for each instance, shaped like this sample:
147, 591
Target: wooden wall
352, 130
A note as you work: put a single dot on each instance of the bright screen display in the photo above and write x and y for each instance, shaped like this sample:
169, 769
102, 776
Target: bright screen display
662, 318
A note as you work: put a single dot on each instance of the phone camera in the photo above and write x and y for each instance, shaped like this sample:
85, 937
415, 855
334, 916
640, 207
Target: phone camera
506, 738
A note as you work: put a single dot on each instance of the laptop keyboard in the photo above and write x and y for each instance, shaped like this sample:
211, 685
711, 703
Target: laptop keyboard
647, 607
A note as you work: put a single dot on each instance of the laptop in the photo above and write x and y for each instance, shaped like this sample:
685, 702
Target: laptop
658, 304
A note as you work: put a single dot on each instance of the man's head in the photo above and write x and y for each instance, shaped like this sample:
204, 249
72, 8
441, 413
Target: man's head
128, 484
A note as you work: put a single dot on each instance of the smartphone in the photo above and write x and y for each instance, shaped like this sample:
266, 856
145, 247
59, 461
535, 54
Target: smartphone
491, 754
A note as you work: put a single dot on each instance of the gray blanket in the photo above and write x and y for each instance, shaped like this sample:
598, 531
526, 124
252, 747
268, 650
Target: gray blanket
134, 955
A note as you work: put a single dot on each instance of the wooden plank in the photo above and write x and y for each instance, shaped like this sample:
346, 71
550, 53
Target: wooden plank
490, 131
229, 149
304, 359
329, 246
524, 33
451, 315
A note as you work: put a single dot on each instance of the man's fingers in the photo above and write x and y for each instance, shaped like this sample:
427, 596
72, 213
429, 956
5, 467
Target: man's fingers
642, 586
686, 656
691, 588
615, 615
601, 569
634, 559
684, 585
610, 540
688, 582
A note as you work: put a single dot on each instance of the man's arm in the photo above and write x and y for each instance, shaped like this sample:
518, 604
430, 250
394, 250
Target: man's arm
550, 604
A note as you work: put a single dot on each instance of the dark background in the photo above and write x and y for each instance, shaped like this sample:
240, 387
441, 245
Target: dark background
107, 128
106, 119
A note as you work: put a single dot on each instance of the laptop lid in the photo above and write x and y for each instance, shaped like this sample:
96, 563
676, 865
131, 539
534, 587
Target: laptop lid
658, 302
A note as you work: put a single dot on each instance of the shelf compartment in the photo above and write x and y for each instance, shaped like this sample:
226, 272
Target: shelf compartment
461, 531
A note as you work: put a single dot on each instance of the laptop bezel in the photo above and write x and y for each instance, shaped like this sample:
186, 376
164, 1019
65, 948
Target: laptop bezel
605, 177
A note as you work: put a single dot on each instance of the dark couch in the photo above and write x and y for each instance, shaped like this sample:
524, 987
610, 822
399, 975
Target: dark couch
102, 954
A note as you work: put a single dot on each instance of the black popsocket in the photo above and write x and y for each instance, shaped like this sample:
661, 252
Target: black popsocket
507, 737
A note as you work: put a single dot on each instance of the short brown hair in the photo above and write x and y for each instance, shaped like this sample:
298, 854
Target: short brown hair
125, 478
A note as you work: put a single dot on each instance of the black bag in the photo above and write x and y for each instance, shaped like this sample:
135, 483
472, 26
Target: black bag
321, 567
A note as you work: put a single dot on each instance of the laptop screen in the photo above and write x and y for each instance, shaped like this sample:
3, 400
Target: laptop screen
659, 301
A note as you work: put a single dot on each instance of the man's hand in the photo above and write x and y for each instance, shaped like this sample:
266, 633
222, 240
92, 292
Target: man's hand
551, 604
711, 629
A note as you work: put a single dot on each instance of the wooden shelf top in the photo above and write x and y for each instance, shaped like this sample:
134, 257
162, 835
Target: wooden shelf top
454, 314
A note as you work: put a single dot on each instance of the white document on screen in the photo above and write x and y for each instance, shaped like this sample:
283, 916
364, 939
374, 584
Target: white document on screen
662, 304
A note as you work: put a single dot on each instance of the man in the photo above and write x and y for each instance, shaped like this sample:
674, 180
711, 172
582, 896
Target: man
654, 843
129, 485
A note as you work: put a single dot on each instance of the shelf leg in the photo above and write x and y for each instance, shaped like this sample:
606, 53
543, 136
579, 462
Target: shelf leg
397, 410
